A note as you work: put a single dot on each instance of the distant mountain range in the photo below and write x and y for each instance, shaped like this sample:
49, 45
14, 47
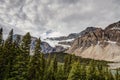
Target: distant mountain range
66, 41
56, 44
73, 35
93, 42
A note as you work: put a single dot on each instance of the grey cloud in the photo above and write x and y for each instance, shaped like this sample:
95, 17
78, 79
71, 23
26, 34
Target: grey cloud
38, 16
16, 3
6, 27
2, 1
68, 1
77, 17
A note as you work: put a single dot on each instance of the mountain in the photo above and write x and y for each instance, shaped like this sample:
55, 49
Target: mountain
114, 26
46, 48
66, 41
73, 35
100, 44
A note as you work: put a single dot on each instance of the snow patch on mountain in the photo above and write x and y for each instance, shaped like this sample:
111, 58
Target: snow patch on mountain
116, 28
54, 43
112, 42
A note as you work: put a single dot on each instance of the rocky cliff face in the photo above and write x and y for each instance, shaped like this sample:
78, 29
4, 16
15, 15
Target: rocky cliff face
46, 48
66, 41
99, 44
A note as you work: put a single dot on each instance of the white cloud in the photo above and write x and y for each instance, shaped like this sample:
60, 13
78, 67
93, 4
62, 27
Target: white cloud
61, 16
50, 33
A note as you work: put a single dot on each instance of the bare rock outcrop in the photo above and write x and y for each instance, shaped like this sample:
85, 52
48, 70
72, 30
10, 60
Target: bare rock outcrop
102, 44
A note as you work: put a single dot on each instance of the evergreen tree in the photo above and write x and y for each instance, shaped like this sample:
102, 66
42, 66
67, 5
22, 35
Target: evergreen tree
1, 36
8, 56
55, 64
18, 68
1, 55
9, 40
50, 73
82, 72
90, 73
43, 61
35, 65
75, 72
25, 57
60, 73
26, 41
48, 61
14, 60
67, 65
117, 75
47, 70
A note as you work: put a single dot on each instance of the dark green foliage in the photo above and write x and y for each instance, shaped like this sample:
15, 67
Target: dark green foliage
37, 47
75, 73
8, 56
84, 61
18, 71
1, 36
67, 65
60, 73
37, 64
9, 40
54, 64
26, 42
117, 75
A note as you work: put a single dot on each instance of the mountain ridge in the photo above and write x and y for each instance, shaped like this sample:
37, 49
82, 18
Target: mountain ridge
99, 44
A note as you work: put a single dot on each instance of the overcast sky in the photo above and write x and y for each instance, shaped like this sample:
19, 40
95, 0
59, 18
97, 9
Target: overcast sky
60, 16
